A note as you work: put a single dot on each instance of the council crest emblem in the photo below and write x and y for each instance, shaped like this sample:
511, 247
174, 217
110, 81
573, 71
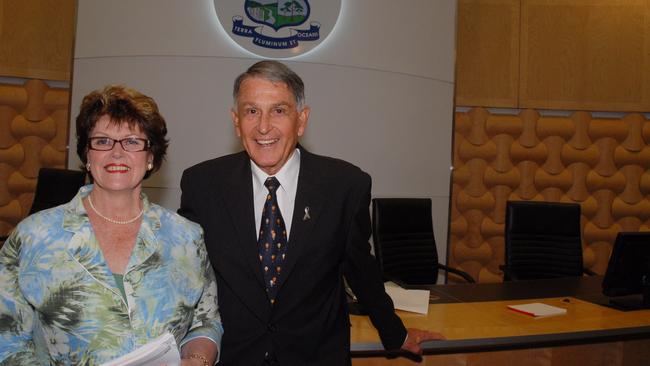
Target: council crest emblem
277, 14
278, 28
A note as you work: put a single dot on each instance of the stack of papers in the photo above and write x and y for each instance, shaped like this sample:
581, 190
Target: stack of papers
537, 309
416, 301
161, 351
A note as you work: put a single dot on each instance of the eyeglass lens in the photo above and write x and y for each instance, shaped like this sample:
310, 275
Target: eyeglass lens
128, 144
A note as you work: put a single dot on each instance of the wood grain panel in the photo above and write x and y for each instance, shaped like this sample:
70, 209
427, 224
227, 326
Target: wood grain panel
487, 63
628, 353
36, 38
585, 54
492, 319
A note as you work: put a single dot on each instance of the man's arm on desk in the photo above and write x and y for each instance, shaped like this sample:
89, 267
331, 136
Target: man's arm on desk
362, 271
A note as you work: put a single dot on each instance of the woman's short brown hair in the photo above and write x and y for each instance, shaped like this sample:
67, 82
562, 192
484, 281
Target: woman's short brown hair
123, 105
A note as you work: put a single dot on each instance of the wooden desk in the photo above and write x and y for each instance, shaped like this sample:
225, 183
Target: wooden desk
487, 333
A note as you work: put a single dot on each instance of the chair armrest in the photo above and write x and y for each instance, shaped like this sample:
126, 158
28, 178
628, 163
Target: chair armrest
456, 271
588, 272
397, 281
508, 275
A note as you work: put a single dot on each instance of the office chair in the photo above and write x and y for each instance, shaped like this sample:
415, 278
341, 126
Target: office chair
54, 187
404, 243
542, 240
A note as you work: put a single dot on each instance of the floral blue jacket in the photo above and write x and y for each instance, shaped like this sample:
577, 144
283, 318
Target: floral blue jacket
60, 305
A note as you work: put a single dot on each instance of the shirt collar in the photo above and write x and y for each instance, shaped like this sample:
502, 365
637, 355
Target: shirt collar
287, 176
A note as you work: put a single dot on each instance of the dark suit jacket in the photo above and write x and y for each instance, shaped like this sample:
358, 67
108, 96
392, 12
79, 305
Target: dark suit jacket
309, 323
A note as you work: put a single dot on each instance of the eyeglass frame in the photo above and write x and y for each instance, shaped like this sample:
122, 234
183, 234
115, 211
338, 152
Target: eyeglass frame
145, 148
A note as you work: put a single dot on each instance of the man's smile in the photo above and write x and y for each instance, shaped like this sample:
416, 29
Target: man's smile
266, 142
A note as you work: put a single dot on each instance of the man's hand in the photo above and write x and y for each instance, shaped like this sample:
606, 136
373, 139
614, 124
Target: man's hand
416, 336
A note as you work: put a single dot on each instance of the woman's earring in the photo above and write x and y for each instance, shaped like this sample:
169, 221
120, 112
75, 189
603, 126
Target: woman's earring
88, 166
150, 166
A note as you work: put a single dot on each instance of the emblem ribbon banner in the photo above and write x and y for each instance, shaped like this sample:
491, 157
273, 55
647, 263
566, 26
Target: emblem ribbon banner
240, 29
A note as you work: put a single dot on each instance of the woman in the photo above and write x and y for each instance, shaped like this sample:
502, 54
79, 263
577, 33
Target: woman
91, 280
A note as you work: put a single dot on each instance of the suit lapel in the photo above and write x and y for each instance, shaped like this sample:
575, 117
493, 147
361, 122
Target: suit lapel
239, 202
307, 208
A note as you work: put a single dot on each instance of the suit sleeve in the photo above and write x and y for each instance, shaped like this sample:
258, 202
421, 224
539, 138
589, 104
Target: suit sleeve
362, 271
188, 208
206, 322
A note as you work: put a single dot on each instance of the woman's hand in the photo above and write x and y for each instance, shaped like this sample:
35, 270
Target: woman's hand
199, 352
191, 362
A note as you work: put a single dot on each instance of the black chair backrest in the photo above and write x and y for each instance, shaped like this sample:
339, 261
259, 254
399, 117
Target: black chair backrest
542, 240
403, 239
55, 187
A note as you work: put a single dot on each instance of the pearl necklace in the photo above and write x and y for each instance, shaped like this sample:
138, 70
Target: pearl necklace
119, 222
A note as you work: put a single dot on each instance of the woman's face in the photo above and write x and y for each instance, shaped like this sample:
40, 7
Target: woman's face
117, 170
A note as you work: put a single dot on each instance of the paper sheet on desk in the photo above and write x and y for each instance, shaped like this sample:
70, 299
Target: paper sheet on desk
161, 351
416, 301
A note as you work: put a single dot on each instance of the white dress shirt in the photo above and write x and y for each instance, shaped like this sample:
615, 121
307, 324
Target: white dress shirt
288, 178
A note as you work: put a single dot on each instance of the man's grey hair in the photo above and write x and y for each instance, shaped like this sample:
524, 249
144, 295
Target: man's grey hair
273, 71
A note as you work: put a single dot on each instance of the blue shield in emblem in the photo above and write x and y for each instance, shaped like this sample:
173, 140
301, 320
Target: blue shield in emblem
277, 13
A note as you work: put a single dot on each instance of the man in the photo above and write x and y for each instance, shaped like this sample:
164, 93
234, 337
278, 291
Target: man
282, 227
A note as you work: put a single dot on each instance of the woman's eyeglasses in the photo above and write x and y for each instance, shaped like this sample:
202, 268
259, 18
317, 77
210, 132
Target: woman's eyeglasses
131, 144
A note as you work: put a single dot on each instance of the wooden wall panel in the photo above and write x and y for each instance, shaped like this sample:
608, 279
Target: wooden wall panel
36, 38
585, 54
554, 54
602, 164
487, 53
33, 133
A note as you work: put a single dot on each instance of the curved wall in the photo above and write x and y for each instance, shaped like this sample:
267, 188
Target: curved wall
380, 87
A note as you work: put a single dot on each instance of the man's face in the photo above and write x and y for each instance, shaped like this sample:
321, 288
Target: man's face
268, 122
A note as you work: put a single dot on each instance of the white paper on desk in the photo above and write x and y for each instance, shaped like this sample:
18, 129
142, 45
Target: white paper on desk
416, 301
537, 309
161, 351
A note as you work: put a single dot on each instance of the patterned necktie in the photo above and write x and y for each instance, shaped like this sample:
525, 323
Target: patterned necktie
272, 242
